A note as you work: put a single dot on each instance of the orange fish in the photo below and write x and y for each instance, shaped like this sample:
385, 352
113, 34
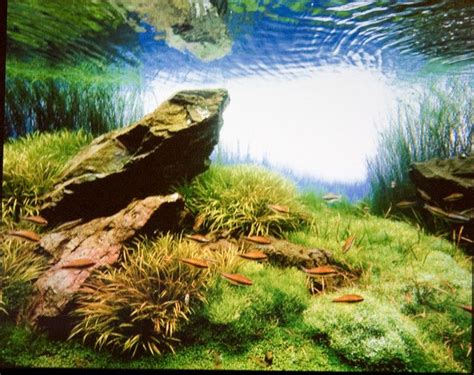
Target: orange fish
322, 270
467, 308
25, 234
236, 279
259, 239
199, 263
349, 298
254, 255
35, 220
279, 208
79, 263
348, 244
198, 238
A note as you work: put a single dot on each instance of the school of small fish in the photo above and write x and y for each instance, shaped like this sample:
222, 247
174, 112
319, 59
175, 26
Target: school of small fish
257, 255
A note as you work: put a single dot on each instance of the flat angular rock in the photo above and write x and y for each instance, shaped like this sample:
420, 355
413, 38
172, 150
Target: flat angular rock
170, 145
79, 250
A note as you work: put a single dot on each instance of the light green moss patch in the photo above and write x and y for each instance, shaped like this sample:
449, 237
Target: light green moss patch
369, 333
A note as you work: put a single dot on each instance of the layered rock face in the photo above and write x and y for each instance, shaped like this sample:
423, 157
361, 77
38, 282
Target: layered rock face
166, 147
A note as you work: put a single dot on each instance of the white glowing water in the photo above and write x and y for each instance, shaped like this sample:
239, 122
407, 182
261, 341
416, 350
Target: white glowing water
323, 125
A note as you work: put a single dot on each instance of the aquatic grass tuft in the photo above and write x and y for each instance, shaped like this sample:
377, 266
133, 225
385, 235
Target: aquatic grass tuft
31, 166
20, 266
43, 98
141, 306
237, 199
437, 123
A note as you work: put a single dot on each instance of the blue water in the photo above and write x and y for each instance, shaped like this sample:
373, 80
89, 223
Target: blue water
311, 82
378, 35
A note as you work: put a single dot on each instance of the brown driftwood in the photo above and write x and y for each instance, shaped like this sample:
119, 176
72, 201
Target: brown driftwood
79, 250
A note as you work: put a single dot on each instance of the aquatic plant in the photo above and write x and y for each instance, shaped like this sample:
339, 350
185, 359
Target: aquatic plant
44, 98
19, 267
436, 123
237, 199
31, 165
393, 258
142, 305
69, 32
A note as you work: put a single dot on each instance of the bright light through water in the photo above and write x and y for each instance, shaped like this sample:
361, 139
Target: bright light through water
323, 125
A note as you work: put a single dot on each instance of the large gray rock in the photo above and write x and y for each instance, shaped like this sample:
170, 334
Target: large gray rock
168, 146
77, 251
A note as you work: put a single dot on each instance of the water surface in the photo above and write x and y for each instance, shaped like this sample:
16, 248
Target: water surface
311, 82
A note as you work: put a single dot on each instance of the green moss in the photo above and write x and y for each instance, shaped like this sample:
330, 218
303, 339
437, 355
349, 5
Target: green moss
240, 313
371, 333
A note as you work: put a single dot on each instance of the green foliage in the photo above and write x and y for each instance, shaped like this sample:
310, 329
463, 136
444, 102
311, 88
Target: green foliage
31, 166
437, 123
19, 267
239, 324
38, 97
21, 346
142, 305
241, 313
236, 199
69, 32
371, 334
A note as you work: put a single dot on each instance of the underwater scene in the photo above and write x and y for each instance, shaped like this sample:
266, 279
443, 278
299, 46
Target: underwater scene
238, 185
